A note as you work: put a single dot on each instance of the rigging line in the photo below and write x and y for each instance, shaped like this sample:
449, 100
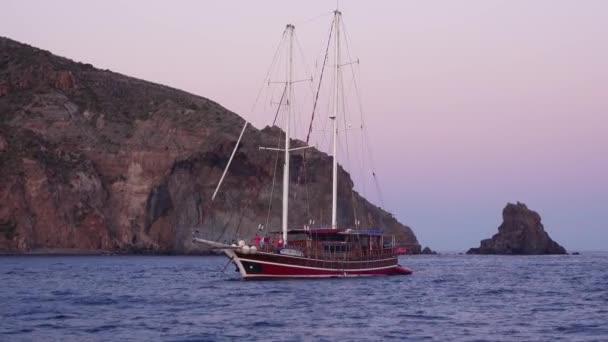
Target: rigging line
274, 60
365, 136
306, 187
241, 215
365, 141
320, 82
309, 20
243, 212
306, 66
246, 121
321, 54
298, 123
304, 166
323, 140
274, 176
270, 92
210, 203
380, 197
347, 150
373, 168
301, 168
358, 157
276, 115
352, 68
226, 226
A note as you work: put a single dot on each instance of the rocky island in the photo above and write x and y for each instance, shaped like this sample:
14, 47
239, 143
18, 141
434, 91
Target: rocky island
94, 160
520, 233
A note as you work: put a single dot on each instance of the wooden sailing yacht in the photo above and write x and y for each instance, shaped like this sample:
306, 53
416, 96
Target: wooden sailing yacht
317, 253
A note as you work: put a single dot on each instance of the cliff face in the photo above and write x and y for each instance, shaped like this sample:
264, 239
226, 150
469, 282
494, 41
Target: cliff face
91, 159
520, 233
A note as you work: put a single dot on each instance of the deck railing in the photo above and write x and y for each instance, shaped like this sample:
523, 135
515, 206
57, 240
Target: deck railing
333, 250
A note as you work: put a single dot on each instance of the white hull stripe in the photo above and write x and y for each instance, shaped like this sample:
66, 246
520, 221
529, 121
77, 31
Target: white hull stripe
319, 268
312, 275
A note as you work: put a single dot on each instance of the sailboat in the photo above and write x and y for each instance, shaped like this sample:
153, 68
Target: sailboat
312, 252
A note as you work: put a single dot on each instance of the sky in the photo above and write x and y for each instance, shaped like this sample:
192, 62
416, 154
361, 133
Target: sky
468, 104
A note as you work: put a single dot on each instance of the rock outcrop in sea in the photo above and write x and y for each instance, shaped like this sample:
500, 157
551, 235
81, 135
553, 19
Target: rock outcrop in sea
95, 160
520, 233
428, 250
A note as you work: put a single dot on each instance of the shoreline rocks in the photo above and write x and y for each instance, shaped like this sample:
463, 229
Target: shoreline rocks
521, 233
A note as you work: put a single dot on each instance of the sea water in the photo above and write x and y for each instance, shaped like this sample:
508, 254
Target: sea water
449, 297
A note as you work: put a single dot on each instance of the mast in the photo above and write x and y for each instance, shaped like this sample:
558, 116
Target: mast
290, 29
333, 117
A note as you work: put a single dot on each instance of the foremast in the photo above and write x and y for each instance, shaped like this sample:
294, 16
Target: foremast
333, 116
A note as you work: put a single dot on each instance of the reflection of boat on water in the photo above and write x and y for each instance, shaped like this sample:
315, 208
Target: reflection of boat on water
308, 252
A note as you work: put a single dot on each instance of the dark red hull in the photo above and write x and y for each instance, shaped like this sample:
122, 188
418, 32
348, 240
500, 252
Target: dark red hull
267, 265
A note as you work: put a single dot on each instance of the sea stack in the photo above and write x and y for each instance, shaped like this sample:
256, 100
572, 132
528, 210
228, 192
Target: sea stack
428, 250
521, 232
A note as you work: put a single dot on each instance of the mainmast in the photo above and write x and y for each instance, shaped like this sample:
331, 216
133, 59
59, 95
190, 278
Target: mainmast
290, 28
333, 117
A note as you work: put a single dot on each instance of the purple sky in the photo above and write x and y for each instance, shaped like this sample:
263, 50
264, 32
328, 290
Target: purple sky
470, 104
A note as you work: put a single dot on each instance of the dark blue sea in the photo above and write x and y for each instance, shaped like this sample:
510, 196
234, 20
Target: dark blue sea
176, 298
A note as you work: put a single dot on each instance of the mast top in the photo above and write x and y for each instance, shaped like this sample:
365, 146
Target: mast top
290, 26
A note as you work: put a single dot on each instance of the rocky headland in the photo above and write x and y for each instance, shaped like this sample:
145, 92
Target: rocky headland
521, 232
92, 160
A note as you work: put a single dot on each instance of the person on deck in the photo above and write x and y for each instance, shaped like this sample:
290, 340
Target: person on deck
256, 240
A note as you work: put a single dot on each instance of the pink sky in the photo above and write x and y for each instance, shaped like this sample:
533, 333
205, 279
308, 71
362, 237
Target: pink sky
470, 104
